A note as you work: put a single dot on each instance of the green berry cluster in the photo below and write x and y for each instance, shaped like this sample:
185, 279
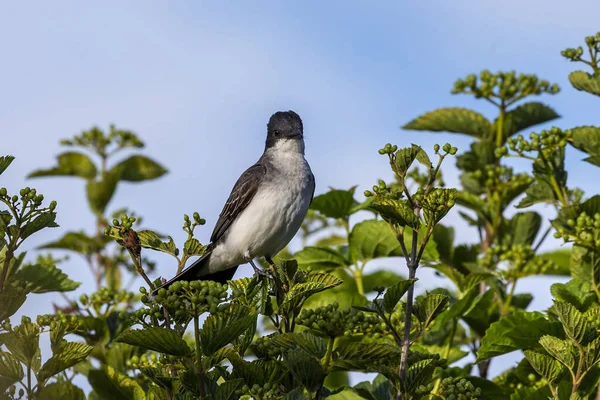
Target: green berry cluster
268, 391
188, 225
383, 190
185, 299
98, 141
447, 149
500, 179
71, 323
333, 322
521, 258
124, 224
545, 143
593, 44
584, 231
438, 200
105, 299
28, 202
459, 389
13, 394
146, 361
506, 86
263, 347
388, 149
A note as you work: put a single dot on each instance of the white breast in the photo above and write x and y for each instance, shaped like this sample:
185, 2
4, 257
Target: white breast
275, 213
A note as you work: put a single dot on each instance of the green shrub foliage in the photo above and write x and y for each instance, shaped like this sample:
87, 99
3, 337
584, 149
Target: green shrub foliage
318, 315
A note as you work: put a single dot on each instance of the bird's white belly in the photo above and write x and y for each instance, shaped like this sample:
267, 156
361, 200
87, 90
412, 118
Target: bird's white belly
267, 225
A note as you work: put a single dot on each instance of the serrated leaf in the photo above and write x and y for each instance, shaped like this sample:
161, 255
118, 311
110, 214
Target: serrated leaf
525, 116
573, 321
138, 168
396, 211
11, 370
46, 278
223, 328
427, 309
226, 390
11, 299
516, 331
319, 258
395, 292
378, 390
335, 203
306, 341
454, 120
373, 239
45, 220
354, 356
480, 154
586, 139
60, 391
403, 158
111, 385
70, 354
193, 247
5, 162
544, 365
69, 164
575, 292
100, 192
562, 350
305, 368
523, 228
594, 160
24, 344
151, 240
538, 192
75, 241
157, 339
315, 282
417, 374
585, 82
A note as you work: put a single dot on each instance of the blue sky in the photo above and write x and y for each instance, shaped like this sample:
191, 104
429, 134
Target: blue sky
198, 80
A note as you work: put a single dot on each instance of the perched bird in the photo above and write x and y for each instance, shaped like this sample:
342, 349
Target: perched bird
265, 208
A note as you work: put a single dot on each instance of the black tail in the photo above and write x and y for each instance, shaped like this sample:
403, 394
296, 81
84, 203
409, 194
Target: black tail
194, 273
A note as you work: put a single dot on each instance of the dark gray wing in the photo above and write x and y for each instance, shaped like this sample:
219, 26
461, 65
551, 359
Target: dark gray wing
312, 178
242, 193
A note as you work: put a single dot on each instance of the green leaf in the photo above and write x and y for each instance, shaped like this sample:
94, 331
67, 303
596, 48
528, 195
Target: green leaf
24, 344
60, 391
157, 339
11, 298
226, 390
481, 154
524, 227
573, 321
319, 258
348, 393
585, 82
69, 164
305, 368
75, 241
314, 283
373, 239
306, 341
562, 350
395, 211
525, 116
561, 260
5, 162
395, 292
46, 278
594, 160
427, 309
354, 356
193, 247
516, 331
378, 390
138, 168
538, 192
335, 203
575, 292
379, 278
455, 120
45, 220
111, 385
151, 240
11, 370
544, 365
100, 192
418, 374
586, 139
403, 158
70, 354
221, 329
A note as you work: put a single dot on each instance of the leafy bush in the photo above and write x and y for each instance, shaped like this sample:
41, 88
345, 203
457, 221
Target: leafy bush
297, 333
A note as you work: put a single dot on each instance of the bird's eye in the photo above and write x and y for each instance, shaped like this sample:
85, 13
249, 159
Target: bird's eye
275, 132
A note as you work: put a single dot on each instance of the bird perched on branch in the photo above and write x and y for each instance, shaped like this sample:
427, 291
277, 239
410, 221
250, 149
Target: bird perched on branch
265, 208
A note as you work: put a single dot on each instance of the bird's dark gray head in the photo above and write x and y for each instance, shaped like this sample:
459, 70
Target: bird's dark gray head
284, 125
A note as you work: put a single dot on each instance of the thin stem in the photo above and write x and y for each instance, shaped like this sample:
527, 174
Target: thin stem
407, 324
544, 236
199, 370
509, 298
327, 358
500, 130
358, 278
29, 380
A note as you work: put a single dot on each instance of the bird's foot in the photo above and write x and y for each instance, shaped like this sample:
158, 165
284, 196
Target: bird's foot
258, 273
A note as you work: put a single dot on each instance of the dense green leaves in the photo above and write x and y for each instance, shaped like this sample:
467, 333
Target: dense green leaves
70, 164
517, 331
320, 258
305, 368
11, 370
587, 139
109, 384
373, 239
46, 278
157, 339
69, 354
429, 307
397, 212
61, 391
335, 203
544, 365
395, 292
223, 328
11, 298
573, 321
585, 82
455, 120
138, 168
